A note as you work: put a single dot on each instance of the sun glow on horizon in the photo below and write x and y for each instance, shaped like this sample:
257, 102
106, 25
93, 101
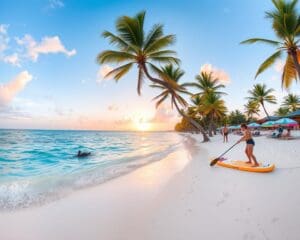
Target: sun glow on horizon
142, 121
144, 126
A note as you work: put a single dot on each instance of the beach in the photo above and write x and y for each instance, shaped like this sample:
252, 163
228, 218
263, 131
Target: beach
179, 197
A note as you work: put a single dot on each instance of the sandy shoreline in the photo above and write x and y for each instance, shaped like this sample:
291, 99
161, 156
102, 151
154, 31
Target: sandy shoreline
180, 197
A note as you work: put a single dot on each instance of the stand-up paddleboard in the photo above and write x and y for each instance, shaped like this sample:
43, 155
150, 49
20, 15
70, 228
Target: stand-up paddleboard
243, 166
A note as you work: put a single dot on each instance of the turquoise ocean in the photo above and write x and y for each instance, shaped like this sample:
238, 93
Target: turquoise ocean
39, 166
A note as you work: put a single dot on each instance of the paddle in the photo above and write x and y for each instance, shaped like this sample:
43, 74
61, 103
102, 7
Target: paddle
213, 162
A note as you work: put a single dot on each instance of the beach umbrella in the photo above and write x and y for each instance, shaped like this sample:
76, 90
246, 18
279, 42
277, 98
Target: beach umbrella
254, 125
286, 122
268, 124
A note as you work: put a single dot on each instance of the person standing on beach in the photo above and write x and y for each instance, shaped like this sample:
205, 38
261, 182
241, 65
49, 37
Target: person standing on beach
225, 132
249, 145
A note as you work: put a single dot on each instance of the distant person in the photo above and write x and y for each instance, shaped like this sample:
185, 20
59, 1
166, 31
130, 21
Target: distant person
278, 132
83, 154
249, 145
225, 132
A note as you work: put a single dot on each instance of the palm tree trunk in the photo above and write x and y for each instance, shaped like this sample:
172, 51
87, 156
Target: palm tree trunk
263, 105
210, 130
214, 129
293, 53
192, 121
210, 127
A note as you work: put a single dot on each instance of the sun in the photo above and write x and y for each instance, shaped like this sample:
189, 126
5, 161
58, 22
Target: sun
141, 121
143, 126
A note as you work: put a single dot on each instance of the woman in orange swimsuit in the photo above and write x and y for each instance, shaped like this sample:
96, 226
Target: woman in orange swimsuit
249, 145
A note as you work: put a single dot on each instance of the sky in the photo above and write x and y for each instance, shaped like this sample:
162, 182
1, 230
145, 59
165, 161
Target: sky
50, 78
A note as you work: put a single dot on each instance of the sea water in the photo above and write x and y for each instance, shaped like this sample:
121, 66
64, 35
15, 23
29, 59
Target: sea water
38, 166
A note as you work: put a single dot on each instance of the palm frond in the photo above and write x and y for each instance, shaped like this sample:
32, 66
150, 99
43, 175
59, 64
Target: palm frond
110, 56
268, 62
114, 39
119, 72
160, 43
165, 92
163, 53
260, 40
155, 33
289, 73
161, 101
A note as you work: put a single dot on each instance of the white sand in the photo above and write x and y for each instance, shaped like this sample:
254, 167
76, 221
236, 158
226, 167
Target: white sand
180, 197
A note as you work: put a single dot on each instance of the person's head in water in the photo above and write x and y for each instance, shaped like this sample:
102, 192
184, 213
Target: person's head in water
79, 152
244, 126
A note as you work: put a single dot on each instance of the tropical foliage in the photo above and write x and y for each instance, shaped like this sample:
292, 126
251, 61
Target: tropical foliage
251, 109
281, 112
286, 26
205, 84
291, 102
213, 107
172, 75
236, 117
261, 95
136, 48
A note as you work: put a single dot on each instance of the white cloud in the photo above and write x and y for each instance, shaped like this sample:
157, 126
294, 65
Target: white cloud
47, 45
220, 74
55, 4
3, 28
4, 39
9, 90
105, 69
12, 59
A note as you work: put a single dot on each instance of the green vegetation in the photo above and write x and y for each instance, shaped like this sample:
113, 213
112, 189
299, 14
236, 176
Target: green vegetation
291, 102
286, 25
135, 48
260, 95
203, 110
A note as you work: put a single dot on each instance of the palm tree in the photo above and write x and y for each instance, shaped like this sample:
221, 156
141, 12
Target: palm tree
251, 109
135, 48
281, 112
291, 102
172, 76
260, 95
213, 107
205, 83
286, 25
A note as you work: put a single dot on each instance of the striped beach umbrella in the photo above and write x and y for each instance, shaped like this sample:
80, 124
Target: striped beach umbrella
253, 125
286, 122
268, 124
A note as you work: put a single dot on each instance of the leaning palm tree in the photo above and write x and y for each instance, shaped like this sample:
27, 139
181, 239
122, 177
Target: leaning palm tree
281, 112
286, 25
136, 48
260, 95
251, 109
172, 76
291, 102
214, 107
205, 83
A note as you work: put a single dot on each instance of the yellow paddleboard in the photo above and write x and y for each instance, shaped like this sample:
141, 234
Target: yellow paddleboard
243, 166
